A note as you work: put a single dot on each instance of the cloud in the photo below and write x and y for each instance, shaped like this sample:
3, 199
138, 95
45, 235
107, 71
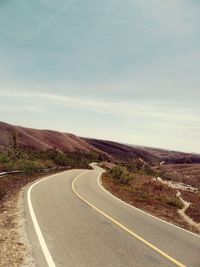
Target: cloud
140, 123
132, 65
117, 108
20, 108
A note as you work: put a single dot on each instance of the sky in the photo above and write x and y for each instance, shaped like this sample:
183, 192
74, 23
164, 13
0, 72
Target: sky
127, 71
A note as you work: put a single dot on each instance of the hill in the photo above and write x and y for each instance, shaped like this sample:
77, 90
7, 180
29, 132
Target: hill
122, 152
171, 157
41, 139
67, 142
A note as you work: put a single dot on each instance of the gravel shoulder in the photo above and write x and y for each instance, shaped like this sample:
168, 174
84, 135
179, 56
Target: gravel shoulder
15, 250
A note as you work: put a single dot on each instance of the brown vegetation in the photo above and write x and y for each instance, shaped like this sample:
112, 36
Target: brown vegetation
185, 173
143, 192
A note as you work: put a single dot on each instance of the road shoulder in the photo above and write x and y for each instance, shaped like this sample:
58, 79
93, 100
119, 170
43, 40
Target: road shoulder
15, 248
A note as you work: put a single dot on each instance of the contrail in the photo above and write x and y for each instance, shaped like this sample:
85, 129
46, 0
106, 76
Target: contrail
49, 21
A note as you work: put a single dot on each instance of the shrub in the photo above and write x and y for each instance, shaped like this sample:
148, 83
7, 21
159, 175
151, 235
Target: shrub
174, 201
138, 166
29, 160
132, 166
4, 158
121, 174
30, 166
148, 170
144, 195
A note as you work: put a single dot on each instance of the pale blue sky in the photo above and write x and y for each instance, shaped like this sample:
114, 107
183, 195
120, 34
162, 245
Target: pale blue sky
126, 70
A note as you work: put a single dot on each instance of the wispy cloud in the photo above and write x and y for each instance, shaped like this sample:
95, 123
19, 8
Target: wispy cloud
125, 69
20, 108
118, 108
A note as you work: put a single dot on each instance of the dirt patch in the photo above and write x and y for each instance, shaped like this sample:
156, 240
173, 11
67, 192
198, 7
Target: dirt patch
194, 209
182, 212
151, 196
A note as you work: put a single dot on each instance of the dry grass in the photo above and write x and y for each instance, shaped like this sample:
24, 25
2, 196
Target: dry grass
185, 173
151, 196
10, 185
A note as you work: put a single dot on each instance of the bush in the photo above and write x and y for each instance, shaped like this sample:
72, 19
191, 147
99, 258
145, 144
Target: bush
148, 170
30, 166
4, 158
174, 201
121, 174
138, 166
29, 160
132, 166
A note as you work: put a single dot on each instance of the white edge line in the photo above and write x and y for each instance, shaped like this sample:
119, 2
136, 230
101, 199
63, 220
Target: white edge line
42, 242
110, 194
122, 226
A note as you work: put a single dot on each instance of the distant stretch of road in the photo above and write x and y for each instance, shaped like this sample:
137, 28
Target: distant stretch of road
72, 221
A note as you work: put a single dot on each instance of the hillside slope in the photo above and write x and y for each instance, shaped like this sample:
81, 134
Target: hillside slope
122, 152
41, 139
171, 157
66, 142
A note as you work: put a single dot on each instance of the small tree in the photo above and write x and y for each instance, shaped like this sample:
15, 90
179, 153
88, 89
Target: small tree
14, 144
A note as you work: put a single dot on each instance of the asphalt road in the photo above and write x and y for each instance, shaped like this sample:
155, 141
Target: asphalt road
71, 221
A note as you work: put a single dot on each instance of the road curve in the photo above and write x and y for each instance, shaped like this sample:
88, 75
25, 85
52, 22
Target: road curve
71, 221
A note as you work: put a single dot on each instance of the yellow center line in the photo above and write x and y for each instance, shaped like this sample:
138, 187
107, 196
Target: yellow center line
125, 228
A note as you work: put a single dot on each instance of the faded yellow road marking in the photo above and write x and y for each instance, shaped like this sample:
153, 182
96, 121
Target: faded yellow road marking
125, 228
